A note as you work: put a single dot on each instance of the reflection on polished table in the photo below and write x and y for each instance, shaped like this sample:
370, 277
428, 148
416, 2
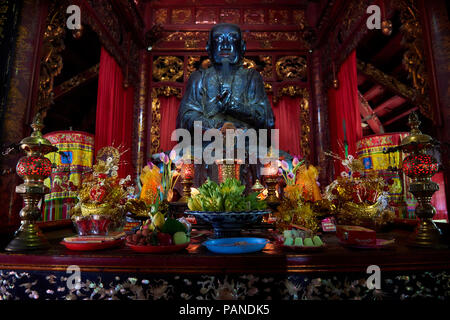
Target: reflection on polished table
272, 273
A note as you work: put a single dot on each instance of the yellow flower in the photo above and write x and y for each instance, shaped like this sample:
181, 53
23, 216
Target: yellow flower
150, 179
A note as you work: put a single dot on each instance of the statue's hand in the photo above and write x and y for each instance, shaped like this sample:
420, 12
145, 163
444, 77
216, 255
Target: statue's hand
224, 99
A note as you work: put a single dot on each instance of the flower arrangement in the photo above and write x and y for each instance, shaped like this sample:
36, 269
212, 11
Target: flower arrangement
298, 204
170, 176
158, 184
288, 172
300, 178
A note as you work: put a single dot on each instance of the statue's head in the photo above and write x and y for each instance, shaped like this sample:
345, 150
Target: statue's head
225, 41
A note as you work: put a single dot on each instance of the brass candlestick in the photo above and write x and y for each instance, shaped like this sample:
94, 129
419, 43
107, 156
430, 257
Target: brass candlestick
187, 184
33, 168
421, 167
271, 187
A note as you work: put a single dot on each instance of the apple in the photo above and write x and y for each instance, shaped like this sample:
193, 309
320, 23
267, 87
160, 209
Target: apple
164, 239
180, 238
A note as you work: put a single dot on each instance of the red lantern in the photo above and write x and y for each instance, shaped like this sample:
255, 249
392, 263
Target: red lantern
420, 166
187, 171
34, 168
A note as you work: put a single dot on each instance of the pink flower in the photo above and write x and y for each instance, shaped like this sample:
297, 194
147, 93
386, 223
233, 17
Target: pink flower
172, 155
150, 165
295, 162
290, 175
280, 172
284, 165
164, 158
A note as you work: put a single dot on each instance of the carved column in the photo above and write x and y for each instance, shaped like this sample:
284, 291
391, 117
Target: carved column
140, 116
320, 120
436, 26
22, 97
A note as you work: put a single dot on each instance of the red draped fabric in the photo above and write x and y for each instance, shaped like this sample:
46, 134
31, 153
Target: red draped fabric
114, 119
438, 200
344, 109
287, 120
169, 110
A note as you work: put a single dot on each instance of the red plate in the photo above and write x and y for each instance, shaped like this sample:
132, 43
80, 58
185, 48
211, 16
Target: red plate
93, 246
157, 249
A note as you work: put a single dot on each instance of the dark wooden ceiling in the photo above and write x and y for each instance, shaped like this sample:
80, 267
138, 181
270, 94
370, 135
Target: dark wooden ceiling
75, 107
385, 53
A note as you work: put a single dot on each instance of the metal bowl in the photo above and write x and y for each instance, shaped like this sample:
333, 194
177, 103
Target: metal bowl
229, 224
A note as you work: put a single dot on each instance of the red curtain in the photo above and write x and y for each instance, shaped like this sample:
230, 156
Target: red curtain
169, 110
344, 111
438, 200
287, 120
114, 119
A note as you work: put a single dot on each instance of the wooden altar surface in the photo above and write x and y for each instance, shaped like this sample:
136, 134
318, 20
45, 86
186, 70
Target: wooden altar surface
196, 259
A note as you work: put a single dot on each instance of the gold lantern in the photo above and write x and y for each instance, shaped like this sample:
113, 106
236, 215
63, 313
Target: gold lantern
33, 168
420, 167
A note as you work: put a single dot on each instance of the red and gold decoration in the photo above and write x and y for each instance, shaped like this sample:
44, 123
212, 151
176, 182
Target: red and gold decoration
33, 168
187, 174
228, 168
103, 196
358, 200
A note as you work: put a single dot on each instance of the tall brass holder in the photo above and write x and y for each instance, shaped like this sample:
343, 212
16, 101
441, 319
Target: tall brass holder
421, 167
33, 168
271, 189
187, 184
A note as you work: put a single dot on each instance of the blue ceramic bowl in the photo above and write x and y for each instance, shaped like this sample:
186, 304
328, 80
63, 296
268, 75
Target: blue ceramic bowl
235, 245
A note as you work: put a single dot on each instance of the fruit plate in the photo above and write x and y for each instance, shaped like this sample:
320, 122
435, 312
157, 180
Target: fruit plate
91, 246
157, 249
235, 245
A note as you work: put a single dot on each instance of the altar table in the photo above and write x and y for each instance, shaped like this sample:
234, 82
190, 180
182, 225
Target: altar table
334, 273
